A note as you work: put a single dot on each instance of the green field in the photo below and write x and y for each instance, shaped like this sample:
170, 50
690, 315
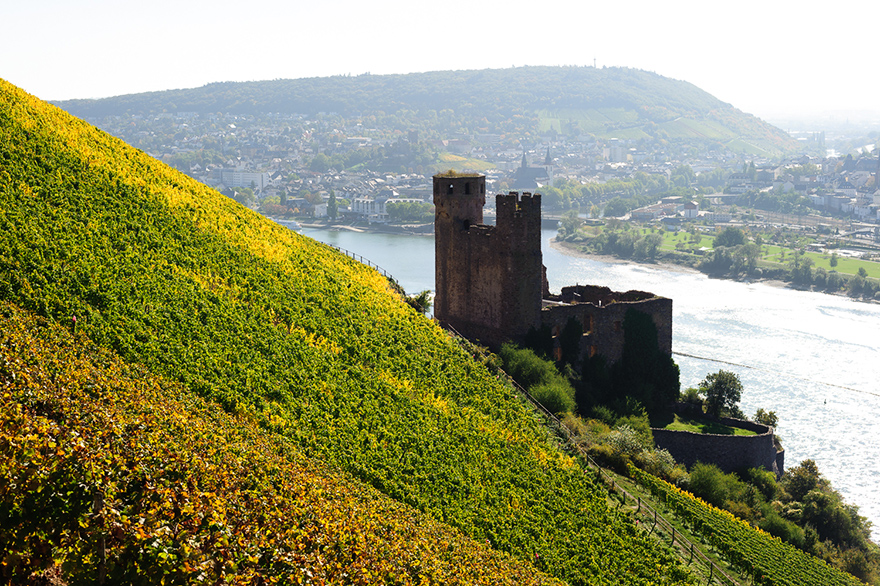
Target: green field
682, 423
672, 239
772, 255
459, 164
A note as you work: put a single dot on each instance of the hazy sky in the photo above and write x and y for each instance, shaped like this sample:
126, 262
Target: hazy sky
771, 58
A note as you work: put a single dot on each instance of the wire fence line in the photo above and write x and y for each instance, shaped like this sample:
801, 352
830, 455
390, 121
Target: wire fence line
767, 370
365, 261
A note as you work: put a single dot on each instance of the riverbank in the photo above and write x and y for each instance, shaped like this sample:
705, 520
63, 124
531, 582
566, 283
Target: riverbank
407, 229
573, 250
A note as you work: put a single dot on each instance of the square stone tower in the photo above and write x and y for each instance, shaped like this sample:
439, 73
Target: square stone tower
488, 279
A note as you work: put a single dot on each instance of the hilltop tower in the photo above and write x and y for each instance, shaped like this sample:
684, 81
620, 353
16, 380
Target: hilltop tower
488, 279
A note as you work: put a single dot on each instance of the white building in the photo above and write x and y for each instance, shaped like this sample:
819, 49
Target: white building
691, 210
234, 178
374, 210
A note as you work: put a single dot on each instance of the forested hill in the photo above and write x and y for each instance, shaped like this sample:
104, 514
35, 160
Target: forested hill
573, 101
192, 393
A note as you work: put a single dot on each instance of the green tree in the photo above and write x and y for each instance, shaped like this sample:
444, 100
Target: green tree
730, 236
616, 207
653, 243
766, 417
421, 301
552, 198
685, 172
752, 252
245, 196
722, 390
320, 164
709, 483
834, 282
407, 211
855, 285
333, 206
539, 377
801, 479
802, 269
833, 261
570, 223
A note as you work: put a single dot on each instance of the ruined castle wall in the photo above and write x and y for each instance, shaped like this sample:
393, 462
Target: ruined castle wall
490, 280
603, 324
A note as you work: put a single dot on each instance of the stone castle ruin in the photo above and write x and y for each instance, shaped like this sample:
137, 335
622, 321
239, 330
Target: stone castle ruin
491, 284
492, 288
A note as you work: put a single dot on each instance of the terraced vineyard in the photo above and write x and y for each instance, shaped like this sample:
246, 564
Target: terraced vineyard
207, 298
769, 560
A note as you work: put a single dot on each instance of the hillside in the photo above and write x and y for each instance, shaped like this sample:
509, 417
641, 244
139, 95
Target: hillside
186, 492
209, 304
604, 103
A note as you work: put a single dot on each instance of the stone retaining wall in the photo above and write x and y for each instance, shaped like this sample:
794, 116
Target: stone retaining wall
729, 452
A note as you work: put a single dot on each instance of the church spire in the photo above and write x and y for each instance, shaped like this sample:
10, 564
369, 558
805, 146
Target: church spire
548, 161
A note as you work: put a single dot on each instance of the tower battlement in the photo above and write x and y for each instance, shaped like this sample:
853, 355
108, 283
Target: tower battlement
459, 199
518, 215
526, 203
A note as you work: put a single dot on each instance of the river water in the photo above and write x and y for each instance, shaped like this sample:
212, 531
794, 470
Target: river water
811, 357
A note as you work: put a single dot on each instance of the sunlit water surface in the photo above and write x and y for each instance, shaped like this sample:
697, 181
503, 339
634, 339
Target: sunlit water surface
812, 358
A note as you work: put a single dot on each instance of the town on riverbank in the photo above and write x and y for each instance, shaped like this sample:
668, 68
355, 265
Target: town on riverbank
819, 257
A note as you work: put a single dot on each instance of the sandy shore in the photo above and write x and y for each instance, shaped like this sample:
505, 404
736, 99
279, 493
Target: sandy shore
570, 250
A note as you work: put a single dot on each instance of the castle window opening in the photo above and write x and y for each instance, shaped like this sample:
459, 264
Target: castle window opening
588, 323
618, 325
451, 188
467, 188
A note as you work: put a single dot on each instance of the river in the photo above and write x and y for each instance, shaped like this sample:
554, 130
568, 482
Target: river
811, 357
